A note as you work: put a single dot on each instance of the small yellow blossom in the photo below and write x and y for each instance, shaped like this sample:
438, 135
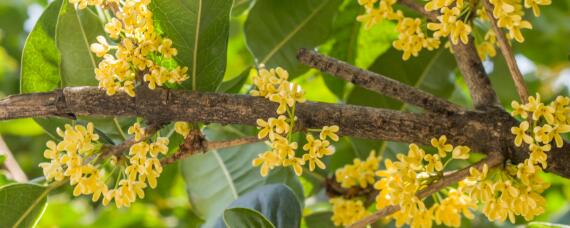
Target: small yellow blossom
329, 132
440, 145
182, 128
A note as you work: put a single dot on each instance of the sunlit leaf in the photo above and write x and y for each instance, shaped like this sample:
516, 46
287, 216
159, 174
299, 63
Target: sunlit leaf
199, 30
21, 205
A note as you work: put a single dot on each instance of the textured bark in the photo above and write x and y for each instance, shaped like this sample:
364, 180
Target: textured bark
474, 74
376, 82
484, 132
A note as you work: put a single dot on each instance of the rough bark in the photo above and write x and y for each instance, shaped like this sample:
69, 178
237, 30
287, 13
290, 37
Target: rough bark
377, 83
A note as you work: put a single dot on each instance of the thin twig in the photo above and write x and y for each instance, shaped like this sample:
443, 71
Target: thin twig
125, 145
215, 145
376, 82
11, 164
507, 54
494, 159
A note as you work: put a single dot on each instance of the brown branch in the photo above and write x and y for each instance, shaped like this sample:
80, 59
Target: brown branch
11, 164
494, 159
215, 145
179, 105
507, 54
125, 145
376, 82
475, 76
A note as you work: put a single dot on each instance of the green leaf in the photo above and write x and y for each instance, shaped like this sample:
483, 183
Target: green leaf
276, 202
346, 30
76, 30
217, 178
287, 176
22, 205
2, 159
245, 217
319, 220
41, 59
275, 30
199, 30
240, 6
234, 85
20, 127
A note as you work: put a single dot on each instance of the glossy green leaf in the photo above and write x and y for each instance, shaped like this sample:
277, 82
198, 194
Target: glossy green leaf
20, 127
276, 202
21, 205
76, 30
275, 30
217, 178
234, 85
199, 30
245, 217
41, 58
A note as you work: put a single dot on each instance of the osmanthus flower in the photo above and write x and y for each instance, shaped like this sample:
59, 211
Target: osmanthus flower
272, 84
434, 163
347, 212
521, 135
182, 128
460, 152
359, 173
137, 131
329, 132
535, 5
441, 146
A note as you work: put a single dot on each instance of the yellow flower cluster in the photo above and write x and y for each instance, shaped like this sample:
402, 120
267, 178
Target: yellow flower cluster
506, 193
68, 159
76, 157
347, 212
138, 49
411, 39
453, 21
273, 84
401, 180
359, 173
449, 22
549, 122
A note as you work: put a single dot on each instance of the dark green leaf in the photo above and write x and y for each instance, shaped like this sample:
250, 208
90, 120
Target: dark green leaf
275, 30
234, 85
546, 225
199, 30
319, 220
2, 159
40, 61
245, 217
21, 205
76, 31
276, 202
287, 176
346, 30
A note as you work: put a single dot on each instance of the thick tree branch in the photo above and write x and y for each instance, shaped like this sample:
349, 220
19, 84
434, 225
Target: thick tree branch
178, 105
474, 74
494, 159
376, 82
507, 54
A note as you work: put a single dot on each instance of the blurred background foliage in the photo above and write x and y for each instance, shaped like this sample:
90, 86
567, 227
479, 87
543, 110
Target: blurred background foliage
543, 59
